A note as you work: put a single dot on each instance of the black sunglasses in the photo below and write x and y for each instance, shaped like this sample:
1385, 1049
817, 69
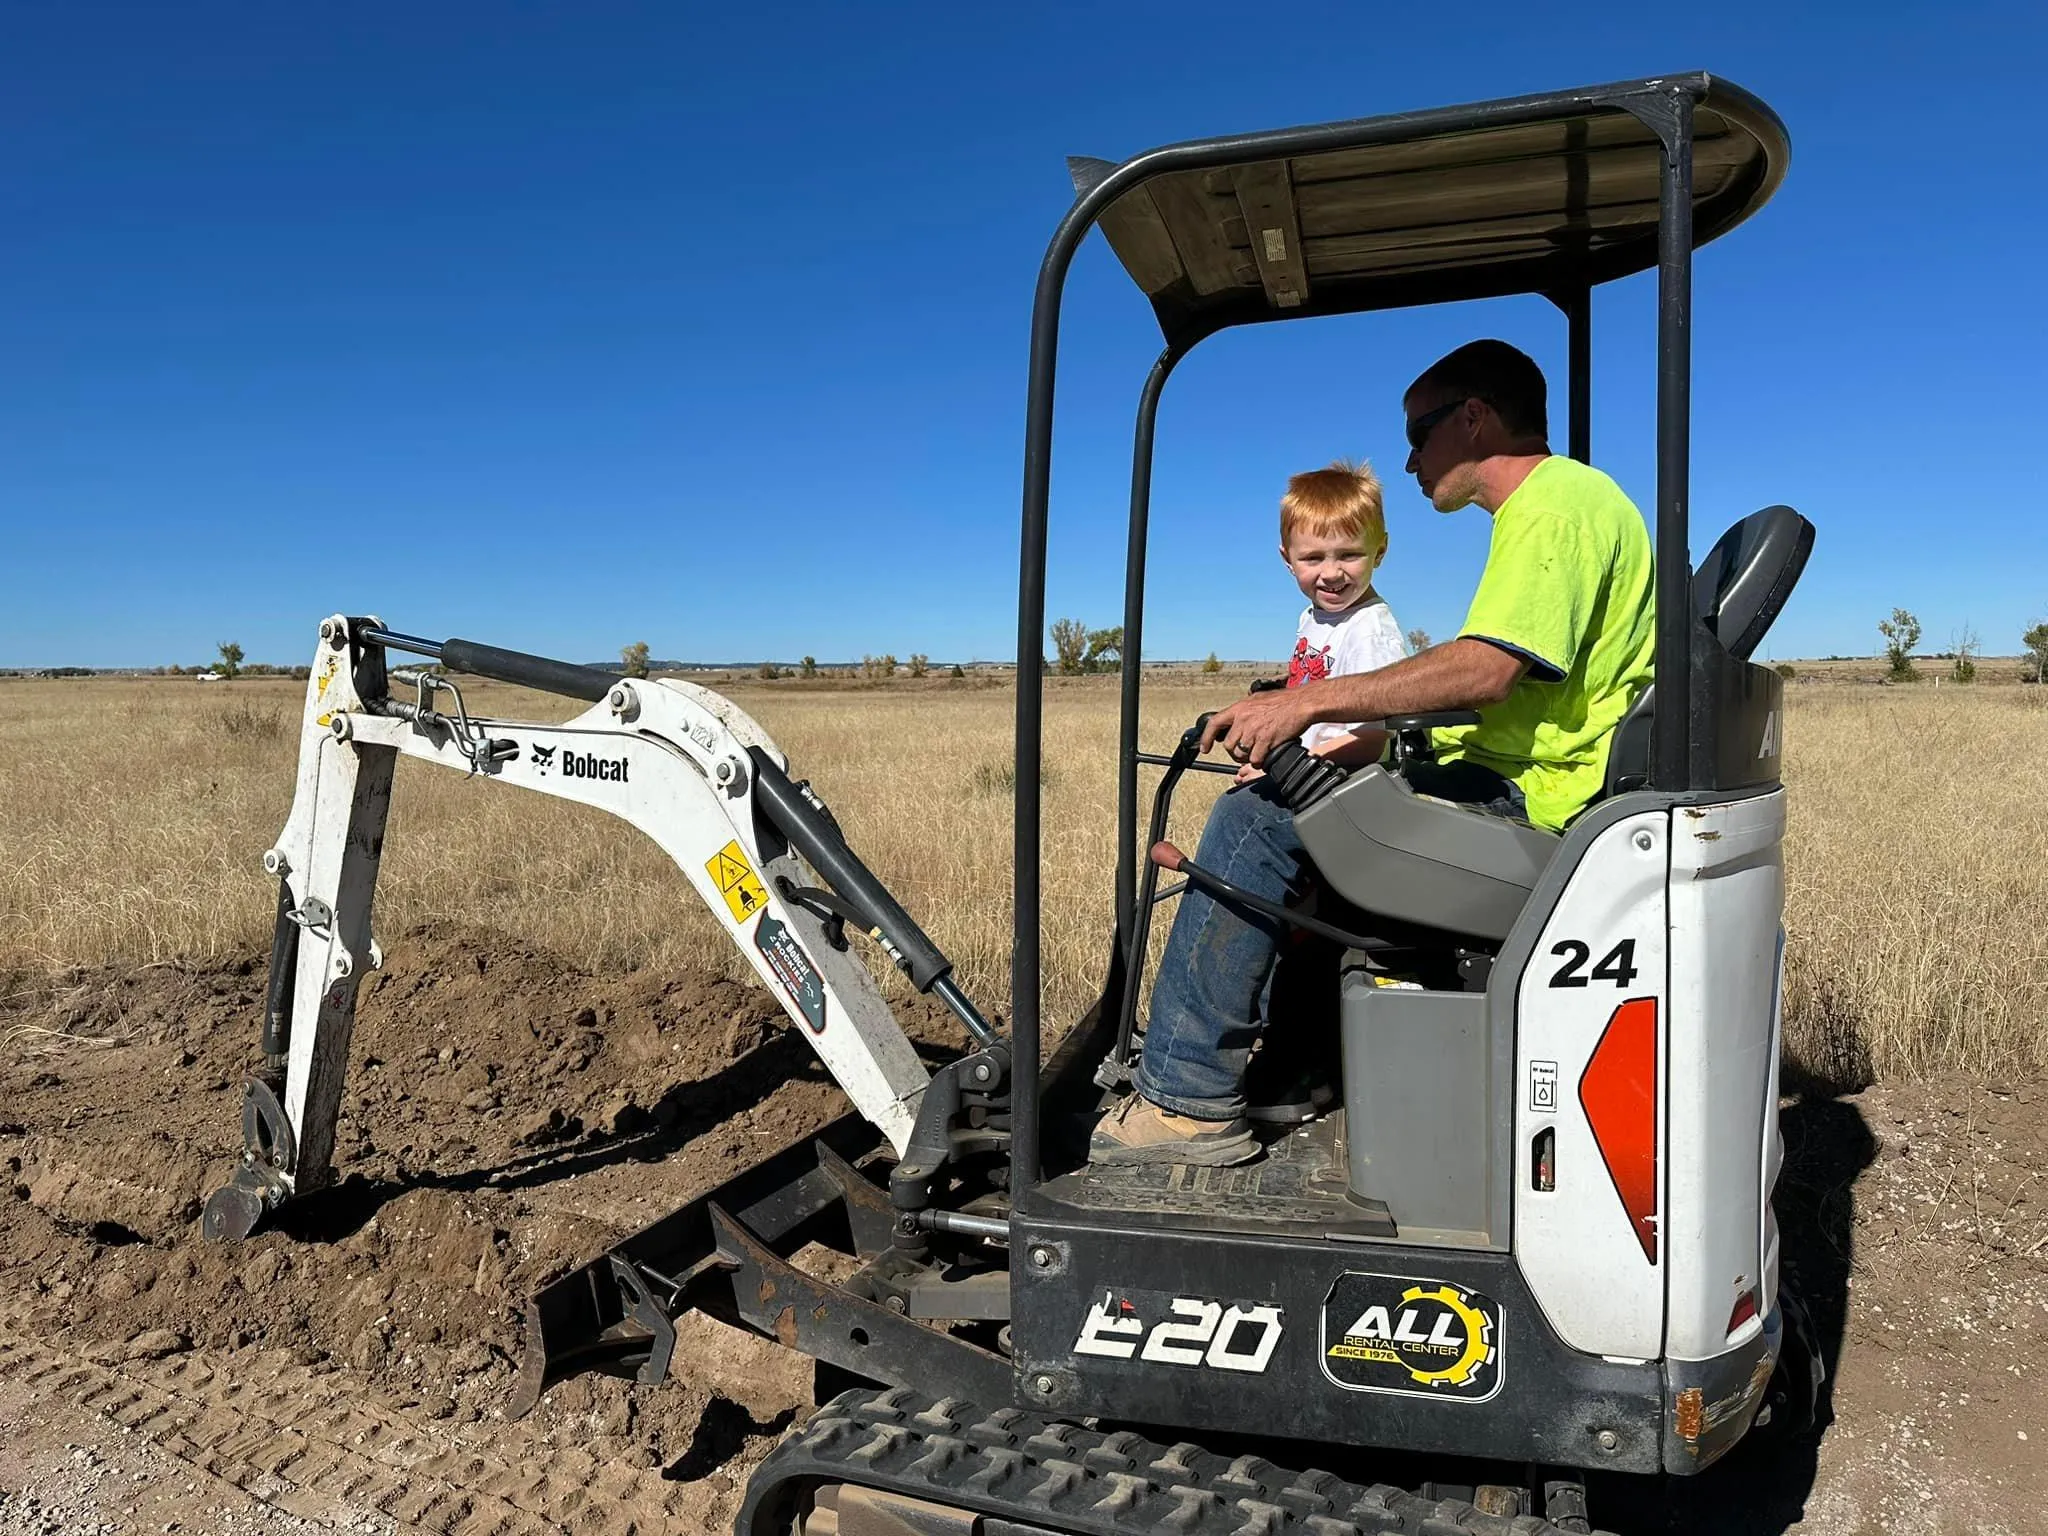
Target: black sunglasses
1420, 428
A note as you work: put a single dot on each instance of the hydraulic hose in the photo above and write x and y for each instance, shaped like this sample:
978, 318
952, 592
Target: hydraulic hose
284, 966
801, 818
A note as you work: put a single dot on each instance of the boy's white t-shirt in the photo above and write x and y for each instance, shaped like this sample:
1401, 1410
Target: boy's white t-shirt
1363, 638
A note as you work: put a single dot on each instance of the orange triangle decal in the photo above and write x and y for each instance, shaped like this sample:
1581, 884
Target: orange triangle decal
1618, 1091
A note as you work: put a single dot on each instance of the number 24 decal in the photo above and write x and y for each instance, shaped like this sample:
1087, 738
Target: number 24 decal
1618, 965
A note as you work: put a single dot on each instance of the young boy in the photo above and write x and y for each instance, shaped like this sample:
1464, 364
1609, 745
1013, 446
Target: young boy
1333, 535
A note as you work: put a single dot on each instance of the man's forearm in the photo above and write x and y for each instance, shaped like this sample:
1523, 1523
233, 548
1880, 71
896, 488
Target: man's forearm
1460, 674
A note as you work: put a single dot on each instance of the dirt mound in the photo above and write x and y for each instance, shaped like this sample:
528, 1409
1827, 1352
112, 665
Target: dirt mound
508, 1116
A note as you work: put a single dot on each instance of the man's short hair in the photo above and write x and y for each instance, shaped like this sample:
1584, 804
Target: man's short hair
1345, 498
1505, 377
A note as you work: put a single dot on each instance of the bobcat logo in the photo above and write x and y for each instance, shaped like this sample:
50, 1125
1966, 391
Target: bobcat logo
543, 758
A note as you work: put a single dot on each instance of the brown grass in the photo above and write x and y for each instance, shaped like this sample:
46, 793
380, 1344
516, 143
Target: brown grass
1917, 873
133, 815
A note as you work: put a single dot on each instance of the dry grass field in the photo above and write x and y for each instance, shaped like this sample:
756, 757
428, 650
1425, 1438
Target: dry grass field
133, 814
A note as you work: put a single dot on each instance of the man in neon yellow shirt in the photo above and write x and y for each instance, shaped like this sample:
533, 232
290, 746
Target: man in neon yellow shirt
1559, 642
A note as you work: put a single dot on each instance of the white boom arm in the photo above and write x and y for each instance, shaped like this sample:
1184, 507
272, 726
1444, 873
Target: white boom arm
668, 757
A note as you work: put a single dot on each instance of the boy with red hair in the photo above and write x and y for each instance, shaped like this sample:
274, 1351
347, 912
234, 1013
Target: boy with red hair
1333, 535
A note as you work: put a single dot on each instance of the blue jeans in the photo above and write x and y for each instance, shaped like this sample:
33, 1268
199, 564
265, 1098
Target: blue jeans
1218, 961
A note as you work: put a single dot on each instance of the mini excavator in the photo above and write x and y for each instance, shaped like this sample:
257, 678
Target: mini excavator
1537, 1235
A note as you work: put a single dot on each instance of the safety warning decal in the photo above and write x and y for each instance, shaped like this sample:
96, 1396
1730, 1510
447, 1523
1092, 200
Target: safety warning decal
1426, 1338
792, 967
736, 881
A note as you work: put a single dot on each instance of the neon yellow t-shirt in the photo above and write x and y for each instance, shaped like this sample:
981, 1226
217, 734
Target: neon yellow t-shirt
1569, 585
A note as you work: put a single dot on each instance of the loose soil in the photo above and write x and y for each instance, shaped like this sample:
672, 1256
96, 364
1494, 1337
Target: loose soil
510, 1115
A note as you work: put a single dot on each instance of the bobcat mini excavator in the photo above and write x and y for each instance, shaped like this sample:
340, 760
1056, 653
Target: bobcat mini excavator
1538, 1232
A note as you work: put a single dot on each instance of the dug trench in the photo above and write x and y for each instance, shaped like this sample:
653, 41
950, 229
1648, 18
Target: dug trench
509, 1115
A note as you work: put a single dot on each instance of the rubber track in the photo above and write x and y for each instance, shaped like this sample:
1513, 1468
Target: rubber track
1018, 1466
314, 1442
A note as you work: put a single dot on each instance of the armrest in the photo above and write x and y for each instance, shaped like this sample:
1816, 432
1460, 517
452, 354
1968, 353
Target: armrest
1440, 719
1412, 742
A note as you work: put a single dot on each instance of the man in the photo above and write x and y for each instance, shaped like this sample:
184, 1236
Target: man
1560, 640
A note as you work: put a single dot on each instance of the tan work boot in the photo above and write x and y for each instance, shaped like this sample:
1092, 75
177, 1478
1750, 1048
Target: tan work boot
1139, 1131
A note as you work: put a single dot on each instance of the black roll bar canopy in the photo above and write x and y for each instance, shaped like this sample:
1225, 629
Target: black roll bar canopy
1554, 204
1550, 194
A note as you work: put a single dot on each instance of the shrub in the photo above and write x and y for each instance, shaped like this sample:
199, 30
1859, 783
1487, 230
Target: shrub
1212, 665
2034, 667
1964, 659
1786, 670
1105, 651
1901, 633
1070, 645
919, 664
1000, 777
244, 722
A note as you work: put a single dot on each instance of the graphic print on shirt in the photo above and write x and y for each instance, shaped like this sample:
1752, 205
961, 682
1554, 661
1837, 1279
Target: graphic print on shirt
1310, 664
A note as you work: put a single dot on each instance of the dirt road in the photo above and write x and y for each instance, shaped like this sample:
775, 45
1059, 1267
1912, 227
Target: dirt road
510, 1115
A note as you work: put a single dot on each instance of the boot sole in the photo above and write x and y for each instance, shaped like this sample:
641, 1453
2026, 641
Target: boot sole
1226, 1153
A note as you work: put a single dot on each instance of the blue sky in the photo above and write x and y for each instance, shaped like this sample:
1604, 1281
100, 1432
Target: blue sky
562, 326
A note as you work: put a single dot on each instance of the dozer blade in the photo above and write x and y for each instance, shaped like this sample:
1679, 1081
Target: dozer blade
725, 1254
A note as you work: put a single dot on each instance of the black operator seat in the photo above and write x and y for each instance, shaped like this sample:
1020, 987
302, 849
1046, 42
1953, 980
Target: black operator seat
1390, 851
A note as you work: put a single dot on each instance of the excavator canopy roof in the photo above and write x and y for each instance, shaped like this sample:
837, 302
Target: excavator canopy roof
1550, 194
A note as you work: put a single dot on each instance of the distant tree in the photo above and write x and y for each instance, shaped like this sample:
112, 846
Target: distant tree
956, 672
810, 666
230, 658
1786, 670
919, 663
870, 668
1901, 634
1963, 668
889, 664
1212, 665
1070, 645
1418, 640
2035, 665
1104, 651
635, 658
769, 672
174, 670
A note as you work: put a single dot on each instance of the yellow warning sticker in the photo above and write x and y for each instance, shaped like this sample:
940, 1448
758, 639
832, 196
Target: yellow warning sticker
735, 877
